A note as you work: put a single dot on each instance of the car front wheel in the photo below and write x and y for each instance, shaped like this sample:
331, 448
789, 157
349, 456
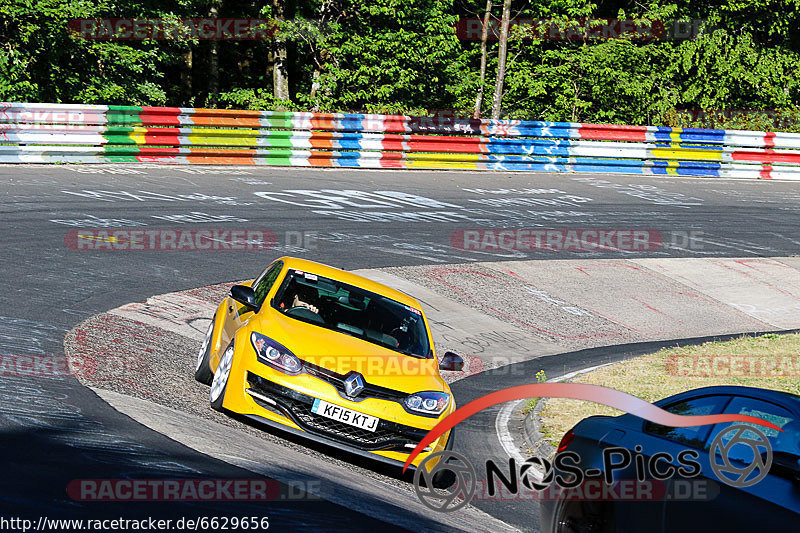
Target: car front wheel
202, 372
220, 381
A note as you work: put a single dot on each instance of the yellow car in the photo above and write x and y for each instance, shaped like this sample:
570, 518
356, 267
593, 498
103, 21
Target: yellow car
330, 355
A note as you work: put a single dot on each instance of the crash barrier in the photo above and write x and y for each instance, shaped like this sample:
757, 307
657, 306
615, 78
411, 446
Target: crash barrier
68, 133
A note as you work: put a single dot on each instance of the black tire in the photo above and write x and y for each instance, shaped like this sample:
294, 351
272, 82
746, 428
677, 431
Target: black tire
219, 383
584, 517
202, 370
444, 479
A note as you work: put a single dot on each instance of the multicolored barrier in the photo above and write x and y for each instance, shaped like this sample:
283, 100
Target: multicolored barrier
49, 133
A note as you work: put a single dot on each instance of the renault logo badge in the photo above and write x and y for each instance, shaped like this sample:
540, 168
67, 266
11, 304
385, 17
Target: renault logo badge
353, 384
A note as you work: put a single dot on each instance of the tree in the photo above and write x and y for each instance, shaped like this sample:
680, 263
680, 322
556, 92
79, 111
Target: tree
385, 56
497, 100
280, 74
484, 36
213, 59
403, 56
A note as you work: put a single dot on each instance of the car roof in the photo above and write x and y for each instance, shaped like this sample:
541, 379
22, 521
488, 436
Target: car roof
785, 399
791, 401
350, 278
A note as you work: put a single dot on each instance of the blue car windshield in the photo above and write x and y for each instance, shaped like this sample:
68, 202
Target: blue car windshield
354, 311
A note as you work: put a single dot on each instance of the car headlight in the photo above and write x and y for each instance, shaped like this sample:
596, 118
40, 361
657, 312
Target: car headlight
274, 354
428, 402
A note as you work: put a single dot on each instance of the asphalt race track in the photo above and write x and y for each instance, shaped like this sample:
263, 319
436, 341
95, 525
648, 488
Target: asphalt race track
55, 430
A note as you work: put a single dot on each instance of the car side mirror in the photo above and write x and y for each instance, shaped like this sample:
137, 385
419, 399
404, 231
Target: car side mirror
451, 361
244, 295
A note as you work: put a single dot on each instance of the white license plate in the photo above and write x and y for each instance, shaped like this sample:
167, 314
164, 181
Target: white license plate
343, 414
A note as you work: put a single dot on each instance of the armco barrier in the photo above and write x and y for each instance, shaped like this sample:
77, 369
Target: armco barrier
50, 133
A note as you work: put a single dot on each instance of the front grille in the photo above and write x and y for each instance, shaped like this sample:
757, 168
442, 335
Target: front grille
297, 406
370, 390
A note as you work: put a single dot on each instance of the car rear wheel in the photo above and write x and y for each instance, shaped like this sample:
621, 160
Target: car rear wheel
584, 517
220, 381
202, 372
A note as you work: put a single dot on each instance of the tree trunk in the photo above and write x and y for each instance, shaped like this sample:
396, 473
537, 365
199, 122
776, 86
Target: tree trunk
497, 101
280, 75
186, 78
320, 56
315, 86
213, 62
484, 36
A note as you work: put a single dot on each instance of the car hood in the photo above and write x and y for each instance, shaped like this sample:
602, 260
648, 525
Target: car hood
343, 353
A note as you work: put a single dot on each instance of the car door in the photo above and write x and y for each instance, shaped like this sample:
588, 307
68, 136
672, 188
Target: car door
771, 504
236, 313
645, 510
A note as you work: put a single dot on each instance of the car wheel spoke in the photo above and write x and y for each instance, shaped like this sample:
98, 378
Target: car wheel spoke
206, 341
221, 375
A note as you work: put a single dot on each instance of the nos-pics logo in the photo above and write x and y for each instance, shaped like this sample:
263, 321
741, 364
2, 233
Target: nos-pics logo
445, 480
451, 482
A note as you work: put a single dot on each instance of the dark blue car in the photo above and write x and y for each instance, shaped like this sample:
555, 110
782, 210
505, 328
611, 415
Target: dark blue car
690, 496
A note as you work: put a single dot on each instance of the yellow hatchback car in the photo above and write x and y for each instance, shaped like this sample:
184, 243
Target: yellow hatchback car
331, 355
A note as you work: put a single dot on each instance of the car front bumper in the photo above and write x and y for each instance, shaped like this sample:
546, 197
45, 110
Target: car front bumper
266, 401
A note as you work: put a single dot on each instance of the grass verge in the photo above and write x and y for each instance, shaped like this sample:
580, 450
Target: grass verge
769, 361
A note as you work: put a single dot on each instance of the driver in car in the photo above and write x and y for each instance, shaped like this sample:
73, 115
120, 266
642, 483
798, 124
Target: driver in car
297, 302
299, 298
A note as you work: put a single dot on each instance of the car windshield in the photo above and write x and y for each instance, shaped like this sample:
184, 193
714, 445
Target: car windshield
347, 309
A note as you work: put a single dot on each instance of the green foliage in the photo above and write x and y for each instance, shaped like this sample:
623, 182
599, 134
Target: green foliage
255, 99
403, 56
530, 405
42, 62
723, 70
384, 55
733, 63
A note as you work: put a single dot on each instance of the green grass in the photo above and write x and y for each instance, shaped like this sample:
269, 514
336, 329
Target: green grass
670, 371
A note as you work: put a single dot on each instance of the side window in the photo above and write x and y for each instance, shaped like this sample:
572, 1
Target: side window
264, 284
785, 441
692, 436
